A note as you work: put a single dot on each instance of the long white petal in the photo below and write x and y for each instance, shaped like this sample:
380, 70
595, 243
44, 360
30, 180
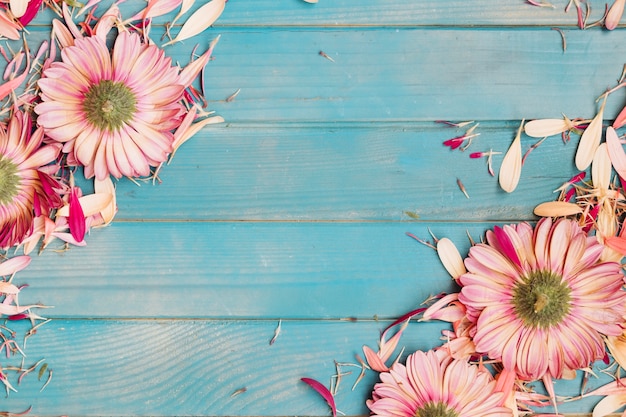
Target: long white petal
601, 168
511, 167
546, 127
589, 141
106, 187
450, 258
609, 404
200, 20
616, 152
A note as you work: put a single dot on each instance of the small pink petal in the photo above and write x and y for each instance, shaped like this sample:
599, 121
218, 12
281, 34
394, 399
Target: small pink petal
76, 218
613, 16
323, 391
13, 265
373, 360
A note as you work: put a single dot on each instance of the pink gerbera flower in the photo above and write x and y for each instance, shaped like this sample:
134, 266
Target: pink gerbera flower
114, 112
26, 189
541, 298
433, 384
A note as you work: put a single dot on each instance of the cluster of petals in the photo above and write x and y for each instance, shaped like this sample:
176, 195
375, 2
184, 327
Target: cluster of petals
595, 307
36, 191
144, 138
435, 380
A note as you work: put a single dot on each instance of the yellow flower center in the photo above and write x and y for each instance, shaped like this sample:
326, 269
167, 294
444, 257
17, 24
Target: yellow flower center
9, 181
541, 299
109, 105
435, 409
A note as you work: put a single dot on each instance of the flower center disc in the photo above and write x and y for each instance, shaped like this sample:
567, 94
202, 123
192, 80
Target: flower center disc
108, 105
541, 299
433, 409
9, 180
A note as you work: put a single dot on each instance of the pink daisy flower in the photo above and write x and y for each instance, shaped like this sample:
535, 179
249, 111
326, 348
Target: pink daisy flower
26, 189
432, 384
541, 298
113, 111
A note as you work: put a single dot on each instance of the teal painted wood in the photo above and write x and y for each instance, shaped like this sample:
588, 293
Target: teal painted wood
396, 74
293, 209
245, 270
404, 74
336, 13
182, 367
345, 172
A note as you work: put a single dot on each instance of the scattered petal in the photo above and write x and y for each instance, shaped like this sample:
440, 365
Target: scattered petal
200, 20
557, 209
323, 391
601, 168
511, 167
450, 258
589, 141
547, 127
609, 405
612, 19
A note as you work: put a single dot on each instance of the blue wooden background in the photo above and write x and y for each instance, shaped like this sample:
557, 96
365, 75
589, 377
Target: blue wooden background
295, 208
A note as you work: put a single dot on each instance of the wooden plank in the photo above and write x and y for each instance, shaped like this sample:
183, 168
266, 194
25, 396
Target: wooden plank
243, 269
189, 367
339, 13
344, 172
396, 74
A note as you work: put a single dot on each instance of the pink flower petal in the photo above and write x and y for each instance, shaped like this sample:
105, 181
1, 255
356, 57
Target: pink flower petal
323, 391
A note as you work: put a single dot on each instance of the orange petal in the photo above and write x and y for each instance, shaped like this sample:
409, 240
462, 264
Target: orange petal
557, 209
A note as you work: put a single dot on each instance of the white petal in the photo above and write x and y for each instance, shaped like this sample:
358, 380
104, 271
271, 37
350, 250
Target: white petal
546, 127
200, 20
91, 204
616, 152
601, 168
589, 141
511, 167
609, 404
450, 258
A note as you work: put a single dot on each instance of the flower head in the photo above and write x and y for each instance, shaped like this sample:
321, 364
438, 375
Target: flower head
432, 384
114, 112
541, 298
26, 189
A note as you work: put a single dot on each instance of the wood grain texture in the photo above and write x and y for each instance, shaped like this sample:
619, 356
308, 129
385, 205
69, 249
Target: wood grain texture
345, 172
294, 209
191, 367
371, 13
244, 269
404, 74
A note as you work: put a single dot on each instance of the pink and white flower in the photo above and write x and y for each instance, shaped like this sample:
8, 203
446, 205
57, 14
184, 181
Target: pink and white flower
114, 112
27, 190
541, 298
434, 384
